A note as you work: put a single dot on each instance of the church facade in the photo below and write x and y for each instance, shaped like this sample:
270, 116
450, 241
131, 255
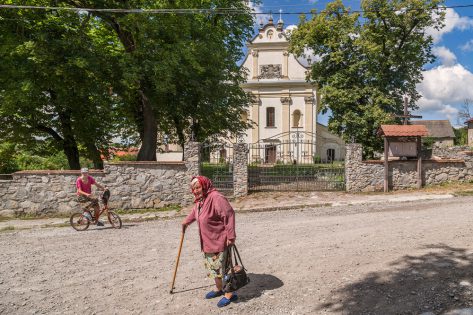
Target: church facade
284, 108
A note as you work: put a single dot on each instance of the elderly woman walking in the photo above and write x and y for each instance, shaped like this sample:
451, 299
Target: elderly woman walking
216, 220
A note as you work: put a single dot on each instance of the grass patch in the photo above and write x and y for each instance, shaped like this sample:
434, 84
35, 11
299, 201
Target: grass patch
143, 211
3, 219
65, 224
7, 228
464, 193
32, 216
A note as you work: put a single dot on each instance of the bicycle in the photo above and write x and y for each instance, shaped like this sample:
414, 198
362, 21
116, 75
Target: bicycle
81, 221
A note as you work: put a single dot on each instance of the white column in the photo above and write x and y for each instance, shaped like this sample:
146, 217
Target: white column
285, 115
285, 65
309, 121
255, 63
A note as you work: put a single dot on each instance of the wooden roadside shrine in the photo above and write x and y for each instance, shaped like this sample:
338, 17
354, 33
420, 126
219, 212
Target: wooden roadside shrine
402, 141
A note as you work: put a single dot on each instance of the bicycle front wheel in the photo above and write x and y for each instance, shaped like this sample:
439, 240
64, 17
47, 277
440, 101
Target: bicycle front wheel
114, 220
79, 222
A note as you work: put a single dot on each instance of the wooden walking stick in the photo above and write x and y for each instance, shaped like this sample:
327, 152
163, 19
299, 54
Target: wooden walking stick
177, 261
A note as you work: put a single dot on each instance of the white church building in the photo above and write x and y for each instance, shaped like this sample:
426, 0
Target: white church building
284, 111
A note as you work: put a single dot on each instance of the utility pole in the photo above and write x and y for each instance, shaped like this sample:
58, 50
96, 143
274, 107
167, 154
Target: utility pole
406, 114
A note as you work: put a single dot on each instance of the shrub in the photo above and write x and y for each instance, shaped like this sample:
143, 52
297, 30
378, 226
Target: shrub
124, 157
8, 163
27, 161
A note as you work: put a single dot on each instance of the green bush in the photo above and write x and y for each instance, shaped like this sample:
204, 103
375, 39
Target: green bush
27, 161
8, 163
428, 142
125, 157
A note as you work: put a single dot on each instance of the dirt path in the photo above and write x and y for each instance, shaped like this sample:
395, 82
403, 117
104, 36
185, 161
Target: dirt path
405, 258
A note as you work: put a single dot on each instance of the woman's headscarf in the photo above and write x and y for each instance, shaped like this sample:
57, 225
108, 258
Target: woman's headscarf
207, 186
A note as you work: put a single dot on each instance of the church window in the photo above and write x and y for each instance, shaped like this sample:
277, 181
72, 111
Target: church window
270, 34
296, 118
270, 117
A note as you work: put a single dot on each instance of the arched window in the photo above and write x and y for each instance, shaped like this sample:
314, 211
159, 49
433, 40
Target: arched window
296, 118
270, 34
270, 117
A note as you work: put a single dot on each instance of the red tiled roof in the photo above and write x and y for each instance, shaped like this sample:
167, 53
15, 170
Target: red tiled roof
403, 131
469, 120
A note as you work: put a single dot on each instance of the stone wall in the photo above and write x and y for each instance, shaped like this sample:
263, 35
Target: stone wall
133, 185
147, 184
456, 165
33, 192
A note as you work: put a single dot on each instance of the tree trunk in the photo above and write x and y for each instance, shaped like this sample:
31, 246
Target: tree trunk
69, 143
149, 133
94, 155
145, 117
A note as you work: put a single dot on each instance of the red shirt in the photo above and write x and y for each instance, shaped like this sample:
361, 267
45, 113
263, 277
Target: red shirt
216, 221
85, 187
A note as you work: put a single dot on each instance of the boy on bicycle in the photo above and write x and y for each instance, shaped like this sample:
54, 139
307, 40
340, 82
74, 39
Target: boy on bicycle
84, 192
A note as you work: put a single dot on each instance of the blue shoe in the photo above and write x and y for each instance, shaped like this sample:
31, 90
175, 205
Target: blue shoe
213, 294
224, 301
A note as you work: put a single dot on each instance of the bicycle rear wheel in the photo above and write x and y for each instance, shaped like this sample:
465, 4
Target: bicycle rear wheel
79, 222
114, 220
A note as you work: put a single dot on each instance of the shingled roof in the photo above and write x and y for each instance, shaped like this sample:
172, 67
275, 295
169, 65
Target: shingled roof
437, 128
402, 131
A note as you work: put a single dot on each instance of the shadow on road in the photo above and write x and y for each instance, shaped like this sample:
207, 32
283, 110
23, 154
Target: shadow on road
259, 283
436, 282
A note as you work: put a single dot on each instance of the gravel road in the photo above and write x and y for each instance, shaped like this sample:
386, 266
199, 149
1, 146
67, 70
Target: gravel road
400, 258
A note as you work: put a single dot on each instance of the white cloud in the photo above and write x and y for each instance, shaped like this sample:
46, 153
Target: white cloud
468, 46
291, 27
447, 57
452, 21
257, 8
444, 87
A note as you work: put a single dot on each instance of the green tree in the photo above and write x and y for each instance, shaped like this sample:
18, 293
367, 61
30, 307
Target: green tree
207, 88
54, 82
461, 136
368, 61
179, 71
7, 158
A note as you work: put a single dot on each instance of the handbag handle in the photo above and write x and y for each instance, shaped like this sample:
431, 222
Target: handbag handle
228, 258
235, 253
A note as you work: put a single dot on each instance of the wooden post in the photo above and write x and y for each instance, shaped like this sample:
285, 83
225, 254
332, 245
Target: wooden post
386, 169
419, 162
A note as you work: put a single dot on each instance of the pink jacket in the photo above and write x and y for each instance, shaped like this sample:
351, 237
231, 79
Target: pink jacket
216, 222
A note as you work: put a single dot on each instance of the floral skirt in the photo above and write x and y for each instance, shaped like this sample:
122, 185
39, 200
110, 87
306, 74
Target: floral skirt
213, 263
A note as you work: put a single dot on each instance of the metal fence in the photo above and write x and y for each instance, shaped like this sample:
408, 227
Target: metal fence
292, 165
217, 164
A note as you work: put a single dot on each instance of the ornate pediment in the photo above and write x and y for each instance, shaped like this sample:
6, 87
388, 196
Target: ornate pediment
270, 72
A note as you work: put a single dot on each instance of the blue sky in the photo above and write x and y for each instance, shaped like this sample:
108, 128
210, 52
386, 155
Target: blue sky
447, 82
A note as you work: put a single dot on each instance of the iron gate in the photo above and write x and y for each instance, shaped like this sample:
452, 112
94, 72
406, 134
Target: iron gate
217, 164
292, 165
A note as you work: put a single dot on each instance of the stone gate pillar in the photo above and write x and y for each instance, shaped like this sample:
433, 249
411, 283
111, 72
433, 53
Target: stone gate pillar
240, 169
192, 158
353, 157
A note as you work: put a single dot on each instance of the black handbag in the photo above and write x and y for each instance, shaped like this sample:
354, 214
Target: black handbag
234, 276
